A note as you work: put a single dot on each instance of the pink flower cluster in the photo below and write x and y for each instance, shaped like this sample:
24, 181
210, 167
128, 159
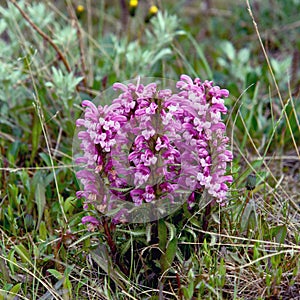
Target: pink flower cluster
149, 144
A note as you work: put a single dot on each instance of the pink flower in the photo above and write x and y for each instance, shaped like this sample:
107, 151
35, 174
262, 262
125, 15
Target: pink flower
141, 175
148, 158
149, 194
91, 222
90, 219
146, 134
137, 196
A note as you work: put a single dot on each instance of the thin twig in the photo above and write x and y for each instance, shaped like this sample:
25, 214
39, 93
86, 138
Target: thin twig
43, 35
91, 49
124, 13
272, 75
80, 42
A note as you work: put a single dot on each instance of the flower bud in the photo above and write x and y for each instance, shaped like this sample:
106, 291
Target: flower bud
251, 182
79, 11
153, 10
133, 4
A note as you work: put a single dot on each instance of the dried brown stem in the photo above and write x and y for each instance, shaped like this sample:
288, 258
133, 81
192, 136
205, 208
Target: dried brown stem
112, 246
205, 222
80, 42
43, 35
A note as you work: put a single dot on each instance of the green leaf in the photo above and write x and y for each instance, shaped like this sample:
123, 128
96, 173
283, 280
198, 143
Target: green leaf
40, 199
148, 232
23, 252
13, 151
201, 56
11, 260
249, 217
164, 52
67, 289
188, 292
167, 258
43, 231
68, 204
14, 291
216, 218
228, 49
103, 260
281, 232
244, 55
35, 136
4, 271
252, 220
55, 273
172, 230
162, 234
45, 157
137, 232
125, 246
256, 165
123, 190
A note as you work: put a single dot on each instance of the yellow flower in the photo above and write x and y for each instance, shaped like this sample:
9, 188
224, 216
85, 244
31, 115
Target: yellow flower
151, 13
153, 10
133, 3
80, 9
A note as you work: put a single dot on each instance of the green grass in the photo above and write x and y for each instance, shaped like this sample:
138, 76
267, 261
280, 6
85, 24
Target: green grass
51, 59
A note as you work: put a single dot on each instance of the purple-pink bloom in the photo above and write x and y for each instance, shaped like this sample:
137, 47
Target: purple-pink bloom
146, 134
149, 194
92, 222
137, 196
90, 219
141, 175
